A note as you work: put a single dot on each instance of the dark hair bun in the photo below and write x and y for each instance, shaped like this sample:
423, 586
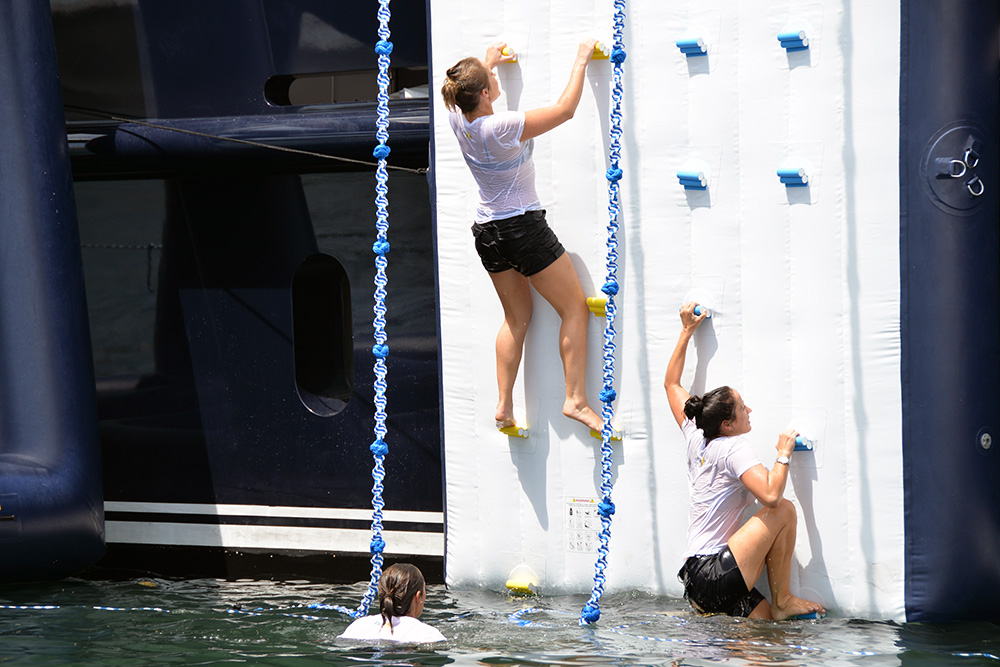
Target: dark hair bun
693, 407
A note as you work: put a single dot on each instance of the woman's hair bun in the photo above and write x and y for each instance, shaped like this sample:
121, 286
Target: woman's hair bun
693, 407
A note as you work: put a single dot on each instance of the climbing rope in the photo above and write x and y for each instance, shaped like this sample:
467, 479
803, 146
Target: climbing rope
380, 350
592, 610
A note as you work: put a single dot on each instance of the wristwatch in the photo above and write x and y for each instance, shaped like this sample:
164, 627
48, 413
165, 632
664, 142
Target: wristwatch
782, 459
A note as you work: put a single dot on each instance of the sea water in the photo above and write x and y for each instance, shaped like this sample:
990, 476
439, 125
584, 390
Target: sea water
209, 621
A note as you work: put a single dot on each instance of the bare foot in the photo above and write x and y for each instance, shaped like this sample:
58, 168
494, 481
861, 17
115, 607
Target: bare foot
793, 606
504, 416
583, 414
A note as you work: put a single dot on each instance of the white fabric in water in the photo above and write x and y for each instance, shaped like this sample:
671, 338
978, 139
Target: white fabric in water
404, 629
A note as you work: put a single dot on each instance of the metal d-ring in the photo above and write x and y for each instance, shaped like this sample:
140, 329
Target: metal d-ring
971, 182
971, 158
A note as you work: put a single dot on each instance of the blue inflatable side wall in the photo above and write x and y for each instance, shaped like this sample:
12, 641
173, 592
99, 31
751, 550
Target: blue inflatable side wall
950, 315
51, 507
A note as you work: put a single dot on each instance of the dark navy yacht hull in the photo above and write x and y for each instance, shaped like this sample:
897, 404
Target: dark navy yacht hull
225, 220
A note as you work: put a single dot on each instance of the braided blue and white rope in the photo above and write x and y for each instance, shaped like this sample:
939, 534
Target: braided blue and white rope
592, 610
380, 350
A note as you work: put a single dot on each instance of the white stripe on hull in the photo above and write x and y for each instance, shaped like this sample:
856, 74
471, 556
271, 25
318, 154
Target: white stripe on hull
271, 537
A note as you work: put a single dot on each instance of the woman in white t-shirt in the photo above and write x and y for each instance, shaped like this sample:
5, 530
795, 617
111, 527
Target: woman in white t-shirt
513, 240
401, 597
724, 557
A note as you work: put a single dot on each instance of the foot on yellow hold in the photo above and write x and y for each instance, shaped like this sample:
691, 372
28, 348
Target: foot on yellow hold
509, 427
615, 435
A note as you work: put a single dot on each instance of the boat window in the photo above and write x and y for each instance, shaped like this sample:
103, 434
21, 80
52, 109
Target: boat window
341, 87
321, 331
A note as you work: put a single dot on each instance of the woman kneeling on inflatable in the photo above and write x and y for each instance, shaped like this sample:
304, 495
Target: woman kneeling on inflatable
724, 558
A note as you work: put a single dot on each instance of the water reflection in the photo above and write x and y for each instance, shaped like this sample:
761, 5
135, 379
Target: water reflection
210, 621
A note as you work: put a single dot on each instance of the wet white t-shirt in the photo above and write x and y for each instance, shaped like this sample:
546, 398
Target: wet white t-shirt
404, 629
718, 497
500, 162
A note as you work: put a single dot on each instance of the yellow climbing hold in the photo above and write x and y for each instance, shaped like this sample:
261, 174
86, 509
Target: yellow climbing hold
597, 305
522, 581
615, 435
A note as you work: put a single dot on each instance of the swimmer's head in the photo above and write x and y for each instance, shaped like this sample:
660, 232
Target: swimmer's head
401, 592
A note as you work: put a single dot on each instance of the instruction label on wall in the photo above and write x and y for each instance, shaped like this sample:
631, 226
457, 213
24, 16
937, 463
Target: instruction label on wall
583, 525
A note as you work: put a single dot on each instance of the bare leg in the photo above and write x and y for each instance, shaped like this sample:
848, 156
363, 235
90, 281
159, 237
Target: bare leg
559, 285
768, 538
762, 611
515, 296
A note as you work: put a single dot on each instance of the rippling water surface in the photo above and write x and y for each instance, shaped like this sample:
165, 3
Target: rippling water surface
206, 621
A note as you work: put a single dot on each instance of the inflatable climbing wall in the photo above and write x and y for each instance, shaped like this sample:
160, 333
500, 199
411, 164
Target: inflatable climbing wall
843, 229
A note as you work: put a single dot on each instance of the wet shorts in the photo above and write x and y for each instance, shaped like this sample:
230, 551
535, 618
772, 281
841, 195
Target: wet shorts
524, 243
714, 585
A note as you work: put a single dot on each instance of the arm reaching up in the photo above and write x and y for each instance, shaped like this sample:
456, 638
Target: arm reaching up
540, 121
677, 395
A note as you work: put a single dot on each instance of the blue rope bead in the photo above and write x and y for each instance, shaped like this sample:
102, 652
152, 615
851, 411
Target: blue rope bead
610, 288
606, 508
608, 395
379, 448
381, 151
618, 56
380, 351
380, 247
377, 546
614, 174
383, 47
590, 614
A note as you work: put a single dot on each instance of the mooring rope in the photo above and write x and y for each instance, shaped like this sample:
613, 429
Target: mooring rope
592, 610
380, 350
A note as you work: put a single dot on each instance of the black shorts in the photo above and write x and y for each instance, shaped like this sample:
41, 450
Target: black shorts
524, 243
714, 585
